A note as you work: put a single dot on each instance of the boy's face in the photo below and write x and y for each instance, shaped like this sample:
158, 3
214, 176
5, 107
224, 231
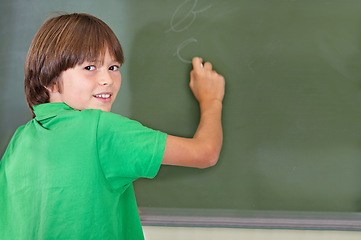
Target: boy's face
91, 85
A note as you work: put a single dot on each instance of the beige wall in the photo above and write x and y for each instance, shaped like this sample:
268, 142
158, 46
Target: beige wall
180, 233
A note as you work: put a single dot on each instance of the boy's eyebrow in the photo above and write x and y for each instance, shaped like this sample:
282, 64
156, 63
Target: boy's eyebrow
99, 62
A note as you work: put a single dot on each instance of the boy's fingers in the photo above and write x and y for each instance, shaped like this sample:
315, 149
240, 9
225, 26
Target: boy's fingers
208, 65
197, 63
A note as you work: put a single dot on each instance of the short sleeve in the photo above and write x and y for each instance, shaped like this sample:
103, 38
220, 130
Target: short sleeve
128, 150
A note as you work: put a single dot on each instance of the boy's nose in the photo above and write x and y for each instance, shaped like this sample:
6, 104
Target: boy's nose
105, 79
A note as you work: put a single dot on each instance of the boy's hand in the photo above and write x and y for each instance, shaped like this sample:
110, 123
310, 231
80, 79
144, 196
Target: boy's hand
206, 84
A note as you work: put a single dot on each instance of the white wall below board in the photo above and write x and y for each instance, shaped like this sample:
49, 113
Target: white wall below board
195, 233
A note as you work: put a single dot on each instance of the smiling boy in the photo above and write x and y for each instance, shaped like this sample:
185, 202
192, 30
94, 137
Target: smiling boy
68, 173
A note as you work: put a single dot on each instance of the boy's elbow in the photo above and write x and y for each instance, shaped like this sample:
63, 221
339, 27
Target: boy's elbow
210, 157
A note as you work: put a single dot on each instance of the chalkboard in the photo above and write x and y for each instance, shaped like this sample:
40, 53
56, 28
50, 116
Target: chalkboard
292, 132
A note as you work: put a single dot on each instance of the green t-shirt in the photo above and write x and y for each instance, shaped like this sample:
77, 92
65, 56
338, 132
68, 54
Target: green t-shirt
68, 174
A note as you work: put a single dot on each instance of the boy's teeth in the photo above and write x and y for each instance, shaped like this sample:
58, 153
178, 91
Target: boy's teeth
103, 95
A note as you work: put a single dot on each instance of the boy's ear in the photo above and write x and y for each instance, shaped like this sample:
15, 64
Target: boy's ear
54, 88
54, 91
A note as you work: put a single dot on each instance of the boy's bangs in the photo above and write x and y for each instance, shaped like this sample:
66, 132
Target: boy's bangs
90, 41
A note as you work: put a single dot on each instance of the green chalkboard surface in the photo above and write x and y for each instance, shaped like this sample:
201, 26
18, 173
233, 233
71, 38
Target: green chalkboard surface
292, 110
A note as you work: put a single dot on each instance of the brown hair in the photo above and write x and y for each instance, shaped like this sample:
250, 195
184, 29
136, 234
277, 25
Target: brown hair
61, 43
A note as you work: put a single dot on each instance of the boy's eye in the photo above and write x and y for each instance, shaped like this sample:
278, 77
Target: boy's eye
90, 68
114, 68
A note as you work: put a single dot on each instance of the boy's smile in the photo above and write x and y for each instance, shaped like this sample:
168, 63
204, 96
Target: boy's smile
90, 85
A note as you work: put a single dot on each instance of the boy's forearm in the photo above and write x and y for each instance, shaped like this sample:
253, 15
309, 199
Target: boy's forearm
209, 133
210, 124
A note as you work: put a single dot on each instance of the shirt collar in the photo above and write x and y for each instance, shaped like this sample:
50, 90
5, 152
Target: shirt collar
48, 110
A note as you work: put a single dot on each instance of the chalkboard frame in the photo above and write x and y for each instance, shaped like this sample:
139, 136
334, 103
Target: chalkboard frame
250, 219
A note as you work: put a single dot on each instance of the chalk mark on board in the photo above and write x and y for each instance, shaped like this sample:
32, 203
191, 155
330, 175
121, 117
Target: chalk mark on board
181, 46
192, 13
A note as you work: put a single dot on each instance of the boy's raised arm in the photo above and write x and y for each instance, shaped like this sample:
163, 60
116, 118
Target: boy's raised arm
203, 149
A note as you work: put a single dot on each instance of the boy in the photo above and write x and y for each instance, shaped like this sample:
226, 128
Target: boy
68, 173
